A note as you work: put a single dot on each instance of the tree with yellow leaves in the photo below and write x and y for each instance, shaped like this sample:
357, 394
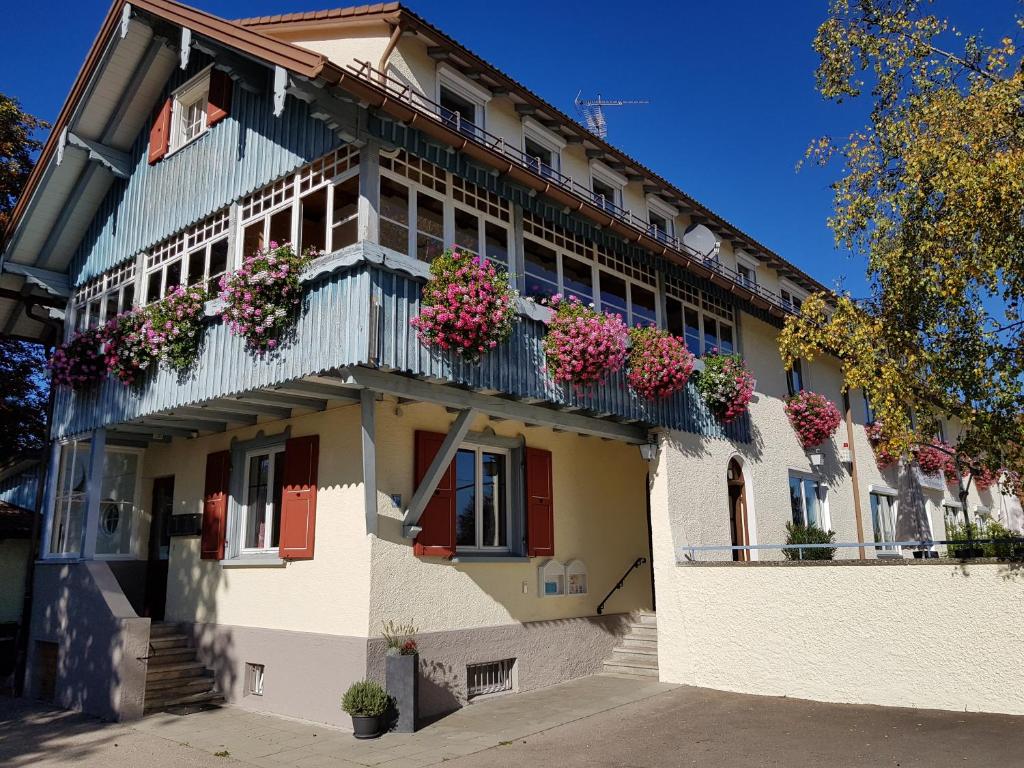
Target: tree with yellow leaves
932, 195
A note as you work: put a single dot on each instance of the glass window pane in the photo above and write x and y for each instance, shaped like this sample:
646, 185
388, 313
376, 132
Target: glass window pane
346, 213
812, 503
429, 227
726, 338
467, 230
577, 279
173, 279
710, 335
281, 226
692, 318
196, 266
674, 316
541, 270
644, 306
256, 502
497, 243
117, 503
465, 498
314, 221
128, 296
394, 201
69, 503
218, 262
495, 499
252, 239
112, 306
394, 236
613, 294
275, 526
152, 288
457, 112
796, 500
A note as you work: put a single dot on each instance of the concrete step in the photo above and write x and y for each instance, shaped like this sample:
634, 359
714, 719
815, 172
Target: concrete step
175, 669
643, 632
168, 655
631, 669
169, 641
633, 641
161, 629
197, 683
207, 697
646, 617
644, 658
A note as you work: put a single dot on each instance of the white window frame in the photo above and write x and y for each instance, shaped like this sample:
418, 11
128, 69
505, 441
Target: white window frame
701, 313
268, 511
450, 78
883, 549
660, 208
796, 295
479, 449
195, 90
100, 289
602, 173
825, 515
548, 139
746, 261
136, 508
185, 253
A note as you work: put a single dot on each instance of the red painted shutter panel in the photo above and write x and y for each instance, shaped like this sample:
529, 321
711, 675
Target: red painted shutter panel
540, 514
298, 497
160, 132
438, 520
218, 102
215, 505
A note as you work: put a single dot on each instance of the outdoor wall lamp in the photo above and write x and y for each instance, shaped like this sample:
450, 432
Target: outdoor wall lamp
649, 451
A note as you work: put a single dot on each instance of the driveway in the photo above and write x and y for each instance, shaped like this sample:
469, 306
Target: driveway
595, 721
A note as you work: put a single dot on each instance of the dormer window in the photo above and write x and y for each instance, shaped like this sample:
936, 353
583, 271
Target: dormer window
461, 101
457, 111
542, 148
606, 186
661, 218
605, 195
189, 117
746, 268
791, 299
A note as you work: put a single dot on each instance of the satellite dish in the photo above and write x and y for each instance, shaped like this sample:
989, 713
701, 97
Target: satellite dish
702, 240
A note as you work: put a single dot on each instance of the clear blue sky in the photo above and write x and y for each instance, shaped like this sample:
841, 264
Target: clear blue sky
733, 104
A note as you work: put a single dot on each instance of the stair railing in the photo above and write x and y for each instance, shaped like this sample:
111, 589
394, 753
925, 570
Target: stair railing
636, 564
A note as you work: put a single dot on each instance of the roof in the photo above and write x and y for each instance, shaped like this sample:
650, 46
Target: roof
395, 11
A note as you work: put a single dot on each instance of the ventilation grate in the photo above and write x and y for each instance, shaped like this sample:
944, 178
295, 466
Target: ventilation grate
254, 679
489, 677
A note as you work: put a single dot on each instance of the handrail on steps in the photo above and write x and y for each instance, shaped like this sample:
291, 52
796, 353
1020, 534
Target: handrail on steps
636, 564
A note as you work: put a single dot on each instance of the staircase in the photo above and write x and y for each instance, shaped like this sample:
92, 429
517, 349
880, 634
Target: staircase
174, 677
636, 655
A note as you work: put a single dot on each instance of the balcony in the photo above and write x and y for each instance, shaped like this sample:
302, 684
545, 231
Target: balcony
354, 327
394, 90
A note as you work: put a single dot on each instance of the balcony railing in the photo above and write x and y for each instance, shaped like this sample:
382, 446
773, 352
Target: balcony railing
359, 302
408, 95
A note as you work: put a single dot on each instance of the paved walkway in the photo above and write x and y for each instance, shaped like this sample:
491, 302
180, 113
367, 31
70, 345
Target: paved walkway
601, 721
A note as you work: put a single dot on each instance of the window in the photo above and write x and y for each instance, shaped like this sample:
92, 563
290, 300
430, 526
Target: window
429, 227
808, 500
883, 520
254, 679
659, 225
661, 218
483, 499
458, 112
703, 333
199, 255
69, 502
605, 195
790, 299
795, 378
461, 101
747, 275
543, 147
394, 215
117, 502
540, 157
188, 119
490, 677
261, 508
105, 297
869, 410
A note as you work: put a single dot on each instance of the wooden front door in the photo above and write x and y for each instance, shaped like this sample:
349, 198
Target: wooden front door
159, 547
738, 512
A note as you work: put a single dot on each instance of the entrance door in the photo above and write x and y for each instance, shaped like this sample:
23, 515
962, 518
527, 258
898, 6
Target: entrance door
159, 547
738, 512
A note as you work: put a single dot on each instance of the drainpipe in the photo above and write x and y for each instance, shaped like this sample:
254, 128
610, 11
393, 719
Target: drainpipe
396, 34
854, 475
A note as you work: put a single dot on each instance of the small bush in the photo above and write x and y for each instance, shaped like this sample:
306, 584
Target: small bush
365, 699
809, 534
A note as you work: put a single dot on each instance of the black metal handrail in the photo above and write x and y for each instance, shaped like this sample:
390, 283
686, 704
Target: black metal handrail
636, 564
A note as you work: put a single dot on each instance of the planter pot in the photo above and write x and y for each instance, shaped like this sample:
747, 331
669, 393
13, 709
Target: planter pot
367, 727
403, 678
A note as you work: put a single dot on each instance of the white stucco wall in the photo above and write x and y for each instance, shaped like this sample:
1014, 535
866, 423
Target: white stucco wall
939, 636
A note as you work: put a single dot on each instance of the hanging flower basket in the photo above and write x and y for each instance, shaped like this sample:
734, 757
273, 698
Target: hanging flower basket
467, 306
726, 386
583, 346
813, 417
659, 363
263, 298
985, 478
178, 319
131, 345
934, 460
884, 458
78, 363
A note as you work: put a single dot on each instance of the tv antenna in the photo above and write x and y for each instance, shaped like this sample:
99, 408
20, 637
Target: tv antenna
592, 111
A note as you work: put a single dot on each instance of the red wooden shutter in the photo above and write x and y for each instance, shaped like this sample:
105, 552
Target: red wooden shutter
540, 516
298, 497
215, 505
218, 102
160, 132
438, 520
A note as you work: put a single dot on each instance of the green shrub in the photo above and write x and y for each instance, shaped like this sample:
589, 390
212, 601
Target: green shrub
365, 699
809, 534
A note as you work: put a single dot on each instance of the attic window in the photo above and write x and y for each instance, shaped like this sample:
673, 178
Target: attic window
189, 110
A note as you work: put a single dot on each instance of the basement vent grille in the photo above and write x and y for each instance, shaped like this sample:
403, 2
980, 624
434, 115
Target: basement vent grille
254, 679
489, 677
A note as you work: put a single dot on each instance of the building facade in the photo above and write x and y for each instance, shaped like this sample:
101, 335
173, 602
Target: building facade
277, 509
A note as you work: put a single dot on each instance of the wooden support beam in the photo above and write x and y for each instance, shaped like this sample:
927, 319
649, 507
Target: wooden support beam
280, 89
438, 52
526, 109
152, 431
237, 406
368, 424
195, 425
249, 74
281, 399
318, 390
186, 47
114, 160
594, 154
209, 414
427, 486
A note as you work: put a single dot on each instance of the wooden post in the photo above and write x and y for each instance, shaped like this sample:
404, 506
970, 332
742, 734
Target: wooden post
854, 475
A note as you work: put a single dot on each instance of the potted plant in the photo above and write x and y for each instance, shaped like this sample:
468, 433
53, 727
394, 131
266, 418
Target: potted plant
815, 419
659, 363
797, 534
79, 363
583, 346
402, 673
367, 703
726, 386
884, 458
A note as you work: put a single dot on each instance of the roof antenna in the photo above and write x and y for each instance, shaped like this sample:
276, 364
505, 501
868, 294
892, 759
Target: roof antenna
592, 111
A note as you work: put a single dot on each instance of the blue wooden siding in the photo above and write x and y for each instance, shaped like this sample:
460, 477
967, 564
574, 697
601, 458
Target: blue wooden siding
334, 331
20, 490
242, 153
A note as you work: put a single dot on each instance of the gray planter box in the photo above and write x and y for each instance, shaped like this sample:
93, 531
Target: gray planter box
403, 683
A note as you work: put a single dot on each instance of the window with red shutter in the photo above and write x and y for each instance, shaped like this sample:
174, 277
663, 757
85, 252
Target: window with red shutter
437, 537
540, 518
218, 103
215, 505
160, 132
298, 497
